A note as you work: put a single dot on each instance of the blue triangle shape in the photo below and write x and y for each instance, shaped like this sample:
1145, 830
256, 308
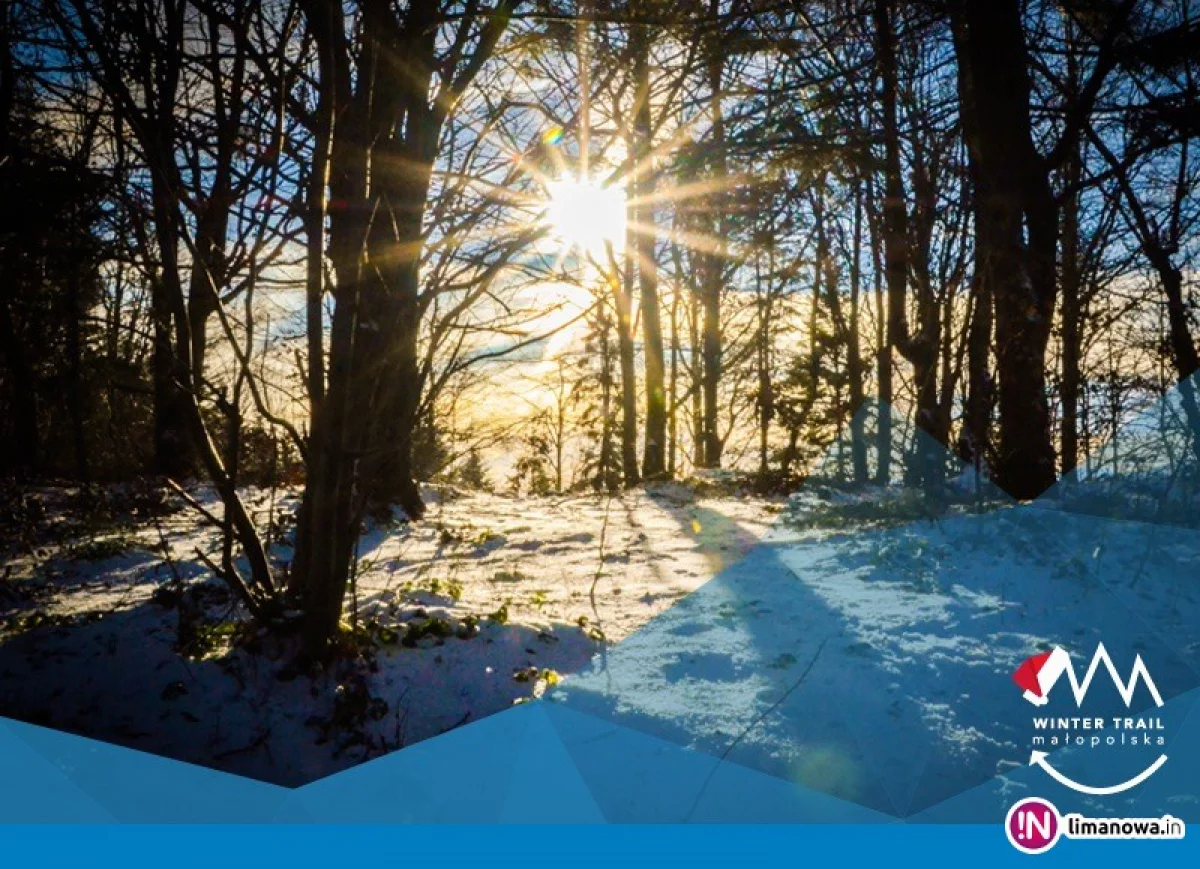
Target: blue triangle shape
133, 786
461, 776
33, 790
546, 787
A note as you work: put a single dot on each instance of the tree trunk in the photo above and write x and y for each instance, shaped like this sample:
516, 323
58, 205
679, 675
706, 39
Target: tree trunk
815, 351
604, 478
329, 513
395, 367
315, 214
621, 287
714, 272
1013, 194
77, 396
403, 140
766, 400
24, 394
673, 391
696, 389
173, 449
883, 358
920, 350
854, 361
1070, 324
1070, 279
894, 223
328, 521
978, 413
653, 460
327, 526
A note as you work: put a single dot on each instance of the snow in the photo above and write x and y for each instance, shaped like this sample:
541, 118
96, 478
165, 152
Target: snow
89, 646
819, 638
875, 664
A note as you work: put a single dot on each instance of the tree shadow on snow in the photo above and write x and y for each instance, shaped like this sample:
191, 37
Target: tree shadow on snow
876, 666
117, 676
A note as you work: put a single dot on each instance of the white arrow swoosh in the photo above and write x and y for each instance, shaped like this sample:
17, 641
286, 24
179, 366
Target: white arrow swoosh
1041, 761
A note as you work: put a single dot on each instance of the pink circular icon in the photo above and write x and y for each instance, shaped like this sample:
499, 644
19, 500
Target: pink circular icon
1033, 825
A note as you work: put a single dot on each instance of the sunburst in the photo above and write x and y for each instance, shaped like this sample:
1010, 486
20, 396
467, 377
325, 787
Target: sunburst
585, 215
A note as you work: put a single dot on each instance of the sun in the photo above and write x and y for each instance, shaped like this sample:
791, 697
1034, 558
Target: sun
585, 215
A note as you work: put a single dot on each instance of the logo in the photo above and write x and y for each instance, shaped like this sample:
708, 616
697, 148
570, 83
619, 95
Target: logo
1040, 675
1033, 826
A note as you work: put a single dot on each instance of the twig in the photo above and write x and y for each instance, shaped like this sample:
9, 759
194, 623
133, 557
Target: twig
166, 550
194, 504
753, 724
234, 580
600, 566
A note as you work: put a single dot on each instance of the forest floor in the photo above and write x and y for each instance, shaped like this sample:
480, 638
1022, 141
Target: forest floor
848, 641
486, 603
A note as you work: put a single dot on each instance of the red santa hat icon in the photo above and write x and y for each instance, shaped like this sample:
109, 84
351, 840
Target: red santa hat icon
1037, 675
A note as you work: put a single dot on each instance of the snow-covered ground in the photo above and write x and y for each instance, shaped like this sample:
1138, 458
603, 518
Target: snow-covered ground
486, 603
849, 642
873, 660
